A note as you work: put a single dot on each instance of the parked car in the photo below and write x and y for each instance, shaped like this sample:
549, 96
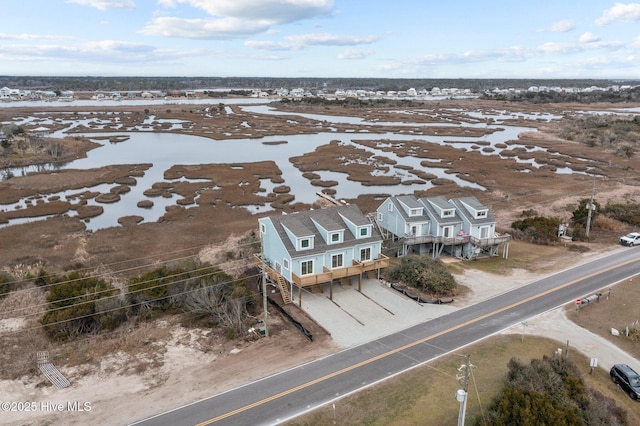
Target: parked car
625, 377
631, 239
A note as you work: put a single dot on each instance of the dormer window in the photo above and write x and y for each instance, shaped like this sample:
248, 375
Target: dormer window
305, 243
363, 232
481, 214
415, 212
448, 213
335, 237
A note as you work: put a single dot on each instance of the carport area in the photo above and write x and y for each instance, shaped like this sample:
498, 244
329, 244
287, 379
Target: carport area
354, 317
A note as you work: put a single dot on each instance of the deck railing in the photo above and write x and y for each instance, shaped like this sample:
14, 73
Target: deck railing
348, 271
493, 241
459, 239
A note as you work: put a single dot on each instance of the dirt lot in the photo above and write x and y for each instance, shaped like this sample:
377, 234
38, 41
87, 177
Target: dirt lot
154, 349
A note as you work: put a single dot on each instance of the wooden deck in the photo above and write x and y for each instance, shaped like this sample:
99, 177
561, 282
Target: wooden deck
357, 269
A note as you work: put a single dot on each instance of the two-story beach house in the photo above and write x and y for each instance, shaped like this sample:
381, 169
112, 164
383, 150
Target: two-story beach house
461, 227
311, 248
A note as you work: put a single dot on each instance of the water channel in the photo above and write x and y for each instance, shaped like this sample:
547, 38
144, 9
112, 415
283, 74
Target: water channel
164, 150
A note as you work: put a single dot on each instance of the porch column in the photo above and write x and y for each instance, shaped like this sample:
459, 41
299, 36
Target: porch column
331, 290
300, 296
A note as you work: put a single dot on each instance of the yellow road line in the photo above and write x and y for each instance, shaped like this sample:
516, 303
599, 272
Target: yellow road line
402, 348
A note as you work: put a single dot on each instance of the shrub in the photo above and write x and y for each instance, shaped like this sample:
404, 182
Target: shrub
627, 213
79, 304
581, 213
425, 274
197, 289
549, 391
537, 229
7, 283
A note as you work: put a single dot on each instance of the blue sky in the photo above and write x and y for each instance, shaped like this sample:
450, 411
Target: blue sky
322, 38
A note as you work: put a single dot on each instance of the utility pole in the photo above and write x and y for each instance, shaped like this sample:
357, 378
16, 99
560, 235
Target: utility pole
461, 395
264, 294
590, 207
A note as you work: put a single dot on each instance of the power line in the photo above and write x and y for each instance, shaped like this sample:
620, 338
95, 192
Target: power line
108, 290
110, 273
128, 306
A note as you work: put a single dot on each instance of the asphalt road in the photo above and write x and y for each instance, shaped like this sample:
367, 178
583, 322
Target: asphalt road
288, 394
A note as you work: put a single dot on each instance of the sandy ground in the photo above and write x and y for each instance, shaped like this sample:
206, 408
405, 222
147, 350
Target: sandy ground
189, 374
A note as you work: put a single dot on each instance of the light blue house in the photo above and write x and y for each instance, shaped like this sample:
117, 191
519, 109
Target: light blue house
461, 227
314, 247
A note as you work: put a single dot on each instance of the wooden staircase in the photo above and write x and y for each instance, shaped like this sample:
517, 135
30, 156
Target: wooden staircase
50, 371
275, 276
284, 289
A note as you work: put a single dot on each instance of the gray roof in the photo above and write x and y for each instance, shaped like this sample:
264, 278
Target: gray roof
409, 201
412, 202
473, 202
439, 201
443, 204
301, 224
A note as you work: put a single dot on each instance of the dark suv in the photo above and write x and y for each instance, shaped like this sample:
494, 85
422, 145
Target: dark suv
627, 379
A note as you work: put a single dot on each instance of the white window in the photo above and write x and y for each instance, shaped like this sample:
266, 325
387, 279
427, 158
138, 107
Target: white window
263, 229
482, 213
390, 207
380, 217
305, 243
337, 261
335, 237
447, 231
365, 254
415, 212
484, 232
306, 267
364, 231
447, 213
285, 263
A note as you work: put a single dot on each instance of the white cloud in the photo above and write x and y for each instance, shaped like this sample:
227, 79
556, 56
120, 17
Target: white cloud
278, 11
354, 54
298, 42
114, 46
553, 47
588, 38
270, 45
325, 39
105, 4
105, 51
510, 54
222, 28
30, 37
620, 12
235, 18
562, 26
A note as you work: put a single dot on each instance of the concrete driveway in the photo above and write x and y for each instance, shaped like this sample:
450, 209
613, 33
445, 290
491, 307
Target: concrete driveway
355, 317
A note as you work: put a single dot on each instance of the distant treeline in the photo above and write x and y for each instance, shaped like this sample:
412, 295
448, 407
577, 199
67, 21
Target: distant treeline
267, 83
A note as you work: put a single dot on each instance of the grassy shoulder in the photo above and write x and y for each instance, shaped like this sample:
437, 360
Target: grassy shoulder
618, 309
530, 257
426, 395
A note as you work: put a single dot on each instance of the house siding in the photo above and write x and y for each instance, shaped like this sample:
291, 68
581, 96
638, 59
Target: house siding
451, 226
281, 234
